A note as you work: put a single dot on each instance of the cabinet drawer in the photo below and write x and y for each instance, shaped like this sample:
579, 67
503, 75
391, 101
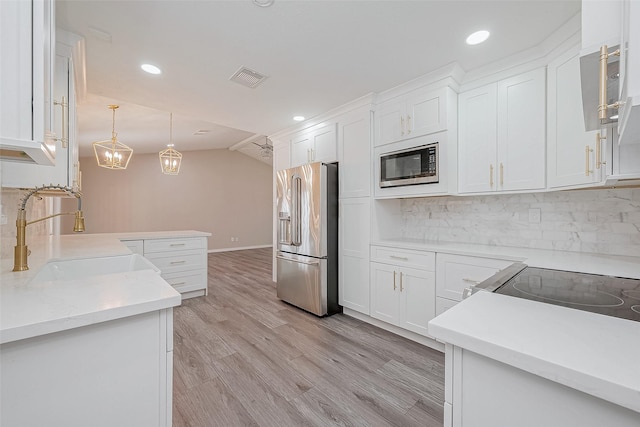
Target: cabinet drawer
178, 261
456, 272
166, 245
135, 246
443, 304
187, 281
404, 257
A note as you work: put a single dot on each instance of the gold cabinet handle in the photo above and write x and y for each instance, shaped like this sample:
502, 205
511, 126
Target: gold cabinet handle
602, 92
587, 154
599, 161
177, 262
394, 280
491, 175
408, 124
402, 125
501, 174
402, 258
65, 106
401, 282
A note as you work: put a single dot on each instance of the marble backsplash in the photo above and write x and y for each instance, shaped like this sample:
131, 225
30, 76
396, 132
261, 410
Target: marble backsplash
595, 221
9, 202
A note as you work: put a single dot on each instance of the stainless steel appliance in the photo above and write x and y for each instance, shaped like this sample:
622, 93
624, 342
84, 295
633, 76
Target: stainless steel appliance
417, 165
608, 295
307, 256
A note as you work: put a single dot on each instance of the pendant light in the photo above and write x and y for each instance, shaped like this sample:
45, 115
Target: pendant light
112, 154
170, 159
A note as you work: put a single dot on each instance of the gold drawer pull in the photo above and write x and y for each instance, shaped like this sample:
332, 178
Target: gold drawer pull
402, 258
178, 284
177, 244
178, 262
587, 153
464, 279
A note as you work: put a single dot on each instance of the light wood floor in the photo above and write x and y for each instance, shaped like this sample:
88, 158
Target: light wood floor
244, 358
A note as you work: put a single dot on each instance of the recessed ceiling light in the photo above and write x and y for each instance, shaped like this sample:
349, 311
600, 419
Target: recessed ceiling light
478, 37
151, 69
298, 118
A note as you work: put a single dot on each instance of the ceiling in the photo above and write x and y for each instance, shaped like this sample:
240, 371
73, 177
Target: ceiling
317, 55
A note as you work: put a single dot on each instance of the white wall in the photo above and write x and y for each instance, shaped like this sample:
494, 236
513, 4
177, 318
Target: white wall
596, 221
223, 192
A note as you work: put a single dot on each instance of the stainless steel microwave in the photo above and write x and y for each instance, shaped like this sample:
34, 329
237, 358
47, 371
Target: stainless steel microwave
417, 165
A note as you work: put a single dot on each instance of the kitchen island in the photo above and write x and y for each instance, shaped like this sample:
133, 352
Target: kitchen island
511, 361
86, 336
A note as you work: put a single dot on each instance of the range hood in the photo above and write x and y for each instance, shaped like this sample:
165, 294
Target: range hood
26, 151
589, 80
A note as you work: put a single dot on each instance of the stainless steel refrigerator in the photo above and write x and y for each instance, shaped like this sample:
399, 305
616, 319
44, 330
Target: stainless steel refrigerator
307, 256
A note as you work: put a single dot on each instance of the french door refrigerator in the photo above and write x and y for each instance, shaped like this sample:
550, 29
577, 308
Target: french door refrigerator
307, 255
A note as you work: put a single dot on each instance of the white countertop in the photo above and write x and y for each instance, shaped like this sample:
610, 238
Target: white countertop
141, 235
29, 309
596, 354
609, 265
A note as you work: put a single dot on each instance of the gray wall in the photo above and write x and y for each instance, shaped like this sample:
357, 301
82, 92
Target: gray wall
223, 192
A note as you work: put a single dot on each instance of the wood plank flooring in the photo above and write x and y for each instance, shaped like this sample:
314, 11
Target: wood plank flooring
244, 358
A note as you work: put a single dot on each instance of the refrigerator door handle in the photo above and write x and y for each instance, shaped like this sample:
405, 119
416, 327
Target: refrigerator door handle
296, 187
314, 262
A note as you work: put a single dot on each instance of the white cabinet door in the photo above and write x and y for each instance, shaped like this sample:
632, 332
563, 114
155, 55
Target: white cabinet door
66, 169
426, 112
324, 144
417, 299
477, 139
354, 153
521, 132
571, 151
301, 149
384, 300
417, 113
314, 145
629, 122
502, 142
281, 156
389, 118
353, 250
27, 36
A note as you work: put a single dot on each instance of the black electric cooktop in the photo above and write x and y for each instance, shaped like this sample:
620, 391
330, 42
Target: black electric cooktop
607, 295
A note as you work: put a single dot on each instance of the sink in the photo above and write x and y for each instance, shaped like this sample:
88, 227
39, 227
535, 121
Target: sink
88, 267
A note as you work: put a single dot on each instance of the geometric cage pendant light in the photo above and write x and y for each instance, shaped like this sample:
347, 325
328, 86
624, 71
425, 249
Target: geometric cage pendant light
111, 153
170, 159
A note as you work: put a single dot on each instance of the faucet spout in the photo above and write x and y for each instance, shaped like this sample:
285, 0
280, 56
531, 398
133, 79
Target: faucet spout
21, 252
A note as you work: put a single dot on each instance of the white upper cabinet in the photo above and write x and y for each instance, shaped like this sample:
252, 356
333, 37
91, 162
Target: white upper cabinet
574, 156
629, 114
66, 171
317, 144
420, 112
26, 70
281, 155
600, 24
501, 143
354, 153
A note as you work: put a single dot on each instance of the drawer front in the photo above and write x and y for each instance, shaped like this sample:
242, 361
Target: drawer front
456, 272
187, 281
178, 261
404, 257
167, 245
443, 304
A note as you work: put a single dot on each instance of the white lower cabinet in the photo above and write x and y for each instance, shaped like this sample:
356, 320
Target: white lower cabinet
182, 261
403, 295
526, 400
114, 373
353, 251
457, 272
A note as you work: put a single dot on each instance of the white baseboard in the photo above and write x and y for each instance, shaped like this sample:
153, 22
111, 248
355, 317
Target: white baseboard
429, 342
238, 249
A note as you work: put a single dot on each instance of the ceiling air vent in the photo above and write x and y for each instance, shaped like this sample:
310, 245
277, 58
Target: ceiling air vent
247, 77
